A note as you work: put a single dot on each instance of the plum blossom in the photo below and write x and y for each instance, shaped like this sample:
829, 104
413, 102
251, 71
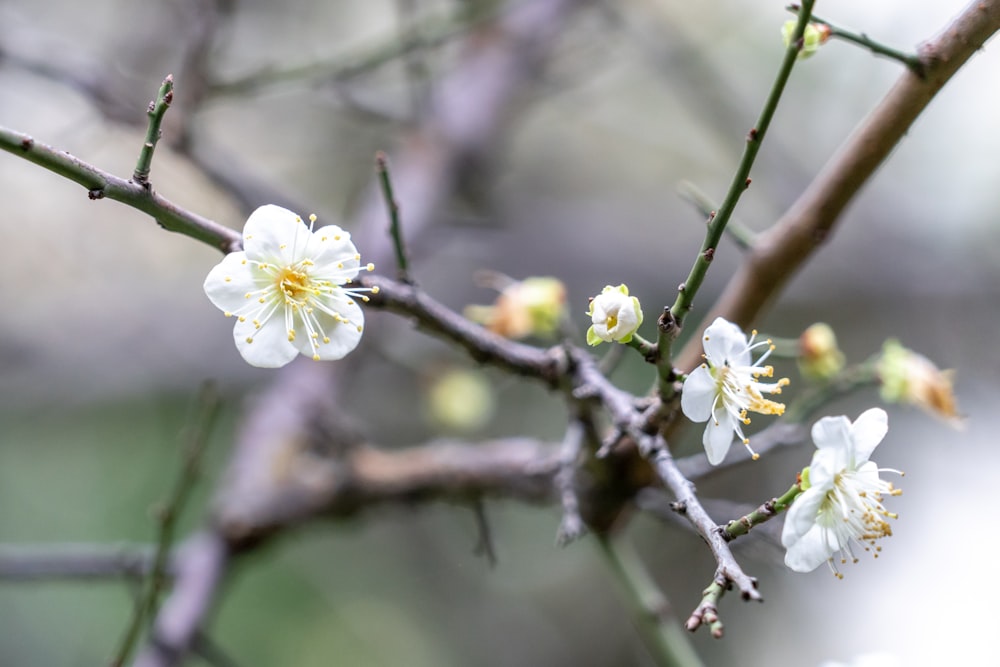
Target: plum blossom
615, 315
285, 290
725, 388
841, 504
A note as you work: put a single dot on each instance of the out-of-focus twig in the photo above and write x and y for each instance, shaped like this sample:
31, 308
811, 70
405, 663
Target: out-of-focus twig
198, 432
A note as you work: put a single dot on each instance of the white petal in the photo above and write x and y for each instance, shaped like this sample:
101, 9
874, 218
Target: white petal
724, 341
344, 337
826, 463
802, 514
832, 432
274, 234
270, 347
808, 551
330, 247
868, 430
718, 437
229, 281
698, 395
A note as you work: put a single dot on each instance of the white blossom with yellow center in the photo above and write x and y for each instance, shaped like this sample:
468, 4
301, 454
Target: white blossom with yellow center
725, 389
615, 315
842, 501
285, 289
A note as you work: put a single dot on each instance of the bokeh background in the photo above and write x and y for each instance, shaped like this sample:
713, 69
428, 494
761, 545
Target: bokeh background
106, 334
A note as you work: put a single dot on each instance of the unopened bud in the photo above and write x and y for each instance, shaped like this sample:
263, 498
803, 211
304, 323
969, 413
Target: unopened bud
819, 356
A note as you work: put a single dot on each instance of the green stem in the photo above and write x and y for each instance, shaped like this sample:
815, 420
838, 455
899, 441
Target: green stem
910, 60
643, 346
765, 512
157, 109
385, 182
673, 320
663, 634
101, 184
742, 236
850, 379
145, 607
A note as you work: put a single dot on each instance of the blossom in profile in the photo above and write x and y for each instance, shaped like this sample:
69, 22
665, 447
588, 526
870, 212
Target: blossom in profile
841, 504
727, 387
908, 377
615, 315
286, 291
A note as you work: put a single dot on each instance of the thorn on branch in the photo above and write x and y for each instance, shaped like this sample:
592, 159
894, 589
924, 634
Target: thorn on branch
96, 193
27, 143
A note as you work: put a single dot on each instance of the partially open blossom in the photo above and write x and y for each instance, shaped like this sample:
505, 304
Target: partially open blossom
819, 356
815, 36
285, 290
908, 377
529, 307
725, 389
615, 315
841, 503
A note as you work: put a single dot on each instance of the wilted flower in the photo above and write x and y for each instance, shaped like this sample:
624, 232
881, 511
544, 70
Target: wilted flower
842, 494
285, 289
908, 377
725, 389
615, 315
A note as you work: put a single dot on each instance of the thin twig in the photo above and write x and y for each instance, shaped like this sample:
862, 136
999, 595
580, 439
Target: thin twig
766, 512
101, 184
426, 33
649, 607
728, 571
484, 545
741, 181
741, 235
197, 438
910, 60
156, 111
395, 231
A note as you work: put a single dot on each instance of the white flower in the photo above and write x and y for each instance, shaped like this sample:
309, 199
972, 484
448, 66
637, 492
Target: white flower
724, 389
842, 500
284, 289
615, 315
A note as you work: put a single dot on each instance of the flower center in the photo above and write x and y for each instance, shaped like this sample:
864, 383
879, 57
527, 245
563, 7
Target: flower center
295, 285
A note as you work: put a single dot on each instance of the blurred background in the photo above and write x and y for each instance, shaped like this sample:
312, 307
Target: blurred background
106, 334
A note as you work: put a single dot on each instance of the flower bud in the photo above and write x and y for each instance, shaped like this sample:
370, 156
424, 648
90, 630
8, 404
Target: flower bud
615, 315
819, 356
815, 35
